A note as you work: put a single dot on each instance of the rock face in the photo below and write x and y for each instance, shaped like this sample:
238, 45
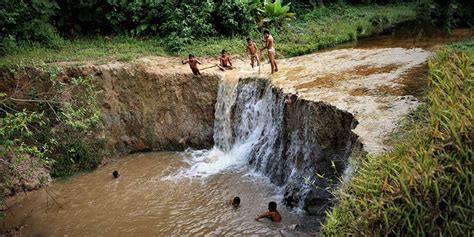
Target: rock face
287, 138
318, 143
141, 111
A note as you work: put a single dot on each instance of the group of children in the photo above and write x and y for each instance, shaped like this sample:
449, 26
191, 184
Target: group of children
252, 50
271, 214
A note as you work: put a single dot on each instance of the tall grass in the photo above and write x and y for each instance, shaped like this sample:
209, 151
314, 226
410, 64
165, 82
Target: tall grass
424, 187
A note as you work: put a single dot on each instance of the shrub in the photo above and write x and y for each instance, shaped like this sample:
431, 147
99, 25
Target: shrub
448, 14
188, 19
82, 17
274, 13
66, 124
26, 22
235, 17
75, 138
135, 17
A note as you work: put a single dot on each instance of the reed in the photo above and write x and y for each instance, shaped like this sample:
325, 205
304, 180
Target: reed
424, 186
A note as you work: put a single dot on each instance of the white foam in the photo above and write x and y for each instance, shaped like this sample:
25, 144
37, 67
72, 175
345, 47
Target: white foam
205, 163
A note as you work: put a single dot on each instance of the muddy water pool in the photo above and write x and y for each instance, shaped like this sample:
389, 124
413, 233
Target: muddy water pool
155, 196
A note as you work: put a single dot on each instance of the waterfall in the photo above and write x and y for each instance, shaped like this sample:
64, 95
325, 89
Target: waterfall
249, 120
283, 137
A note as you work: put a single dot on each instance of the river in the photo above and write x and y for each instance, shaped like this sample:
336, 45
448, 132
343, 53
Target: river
187, 193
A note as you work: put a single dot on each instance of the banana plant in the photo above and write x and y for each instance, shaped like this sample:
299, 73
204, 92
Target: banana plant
275, 13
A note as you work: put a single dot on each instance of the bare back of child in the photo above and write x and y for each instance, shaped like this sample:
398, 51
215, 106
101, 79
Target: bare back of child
271, 214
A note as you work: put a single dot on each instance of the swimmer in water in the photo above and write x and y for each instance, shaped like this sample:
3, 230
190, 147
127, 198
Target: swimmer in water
271, 214
116, 174
235, 202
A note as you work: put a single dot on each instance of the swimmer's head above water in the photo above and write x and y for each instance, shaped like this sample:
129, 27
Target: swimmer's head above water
116, 174
236, 202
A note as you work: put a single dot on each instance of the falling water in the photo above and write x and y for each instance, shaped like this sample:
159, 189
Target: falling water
284, 138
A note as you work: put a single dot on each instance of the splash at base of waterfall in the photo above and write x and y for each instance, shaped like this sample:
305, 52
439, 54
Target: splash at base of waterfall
205, 163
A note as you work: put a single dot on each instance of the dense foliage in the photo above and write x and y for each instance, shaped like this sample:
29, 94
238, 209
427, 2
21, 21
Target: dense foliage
39, 21
424, 186
59, 128
448, 13
311, 31
26, 22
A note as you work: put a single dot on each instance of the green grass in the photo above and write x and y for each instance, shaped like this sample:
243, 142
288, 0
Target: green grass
321, 28
424, 187
84, 49
466, 46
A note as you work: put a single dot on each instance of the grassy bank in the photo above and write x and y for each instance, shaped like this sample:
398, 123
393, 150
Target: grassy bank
318, 29
424, 186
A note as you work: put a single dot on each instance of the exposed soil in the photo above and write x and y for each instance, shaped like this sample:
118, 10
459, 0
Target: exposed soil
333, 80
143, 108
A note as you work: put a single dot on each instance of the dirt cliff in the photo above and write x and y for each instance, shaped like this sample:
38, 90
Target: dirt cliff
143, 111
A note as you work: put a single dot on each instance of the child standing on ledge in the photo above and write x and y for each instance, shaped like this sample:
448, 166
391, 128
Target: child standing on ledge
193, 62
252, 51
268, 39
